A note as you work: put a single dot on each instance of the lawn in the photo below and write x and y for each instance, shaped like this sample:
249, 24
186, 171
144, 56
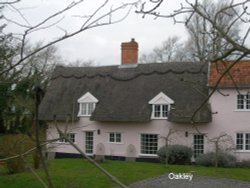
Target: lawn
77, 173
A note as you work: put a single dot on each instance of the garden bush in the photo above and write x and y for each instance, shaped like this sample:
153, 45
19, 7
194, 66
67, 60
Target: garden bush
224, 159
12, 145
244, 164
175, 154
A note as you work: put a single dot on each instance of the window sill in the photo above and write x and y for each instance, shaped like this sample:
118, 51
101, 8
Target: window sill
83, 115
242, 151
65, 143
242, 110
118, 143
90, 154
147, 155
159, 118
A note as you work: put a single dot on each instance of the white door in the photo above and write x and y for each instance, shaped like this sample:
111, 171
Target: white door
89, 142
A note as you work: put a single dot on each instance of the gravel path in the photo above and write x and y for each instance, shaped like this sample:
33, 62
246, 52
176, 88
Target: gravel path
197, 182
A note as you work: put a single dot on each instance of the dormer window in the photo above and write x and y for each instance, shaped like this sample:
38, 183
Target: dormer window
87, 104
160, 110
86, 109
160, 106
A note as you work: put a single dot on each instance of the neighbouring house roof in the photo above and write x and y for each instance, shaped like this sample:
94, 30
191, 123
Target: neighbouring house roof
238, 76
124, 93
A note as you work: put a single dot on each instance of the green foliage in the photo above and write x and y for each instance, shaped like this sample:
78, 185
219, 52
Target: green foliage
4, 94
244, 164
17, 101
175, 154
15, 165
12, 145
18, 115
224, 159
36, 160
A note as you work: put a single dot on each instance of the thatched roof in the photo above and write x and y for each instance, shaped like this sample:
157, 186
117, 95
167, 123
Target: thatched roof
124, 93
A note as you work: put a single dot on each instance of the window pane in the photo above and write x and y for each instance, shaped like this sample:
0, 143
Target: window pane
91, 108
118, 137
86, 109
247, 141
149, 143
248, 101
71, 137
157, 110
164, 110
198, 144
240, 101
111, 137
61, 138
89, 139
83, 109
239, 141
115, 137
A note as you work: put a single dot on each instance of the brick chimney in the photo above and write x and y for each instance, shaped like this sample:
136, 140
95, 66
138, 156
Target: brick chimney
129, 52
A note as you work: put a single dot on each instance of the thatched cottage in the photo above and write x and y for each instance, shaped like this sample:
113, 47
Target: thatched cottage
130, 110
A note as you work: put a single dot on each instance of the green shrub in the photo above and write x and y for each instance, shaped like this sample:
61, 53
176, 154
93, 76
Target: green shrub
12, 145
209, 159
175, 154
15, 165
244, 164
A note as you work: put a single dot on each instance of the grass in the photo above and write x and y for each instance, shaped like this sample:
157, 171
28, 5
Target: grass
77, 173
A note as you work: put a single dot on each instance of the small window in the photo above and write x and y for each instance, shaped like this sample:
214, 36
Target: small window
198, 145
86, 109
243, 102
115, 137
160, 106
160, 111
149, 144
243, 141
87, 104
157, 110
165, 110
239, 141
70, 136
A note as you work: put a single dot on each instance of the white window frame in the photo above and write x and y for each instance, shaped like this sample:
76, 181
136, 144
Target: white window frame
198, 151
245, 102
245, 143
70, 136
148, 150
161, 111
85, 110
160, 100
117, 137
87, 104
89, 142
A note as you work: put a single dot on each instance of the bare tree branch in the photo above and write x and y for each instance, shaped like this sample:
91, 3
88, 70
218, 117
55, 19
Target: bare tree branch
93, 21
9, 2
37, 134
214, 88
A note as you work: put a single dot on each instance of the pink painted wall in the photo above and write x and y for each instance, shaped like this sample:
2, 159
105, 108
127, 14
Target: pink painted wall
226, 120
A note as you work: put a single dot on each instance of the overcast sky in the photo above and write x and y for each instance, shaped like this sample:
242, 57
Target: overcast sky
99, 44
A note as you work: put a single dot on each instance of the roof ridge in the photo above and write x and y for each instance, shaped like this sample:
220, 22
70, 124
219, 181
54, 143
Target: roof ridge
133, 73
128, 78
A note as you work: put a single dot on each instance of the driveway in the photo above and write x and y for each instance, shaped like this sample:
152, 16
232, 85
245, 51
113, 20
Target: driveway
197, 182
